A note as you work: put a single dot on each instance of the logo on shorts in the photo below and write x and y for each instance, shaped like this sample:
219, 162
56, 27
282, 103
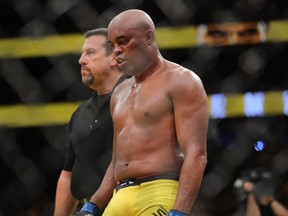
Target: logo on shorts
160, 212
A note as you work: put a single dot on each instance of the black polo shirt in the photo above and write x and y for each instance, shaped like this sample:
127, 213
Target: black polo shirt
89, 136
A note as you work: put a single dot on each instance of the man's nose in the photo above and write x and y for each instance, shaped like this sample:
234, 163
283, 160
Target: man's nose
233, 39
82, 60
117, 50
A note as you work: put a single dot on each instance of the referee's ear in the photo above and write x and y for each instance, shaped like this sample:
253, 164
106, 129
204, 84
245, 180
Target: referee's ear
113, 62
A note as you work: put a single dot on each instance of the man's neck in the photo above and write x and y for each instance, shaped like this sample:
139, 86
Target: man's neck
109, 84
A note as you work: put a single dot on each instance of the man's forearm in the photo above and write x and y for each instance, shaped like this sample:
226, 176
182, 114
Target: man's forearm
252, 206
65, 203
278, 209
187, 191
104, 193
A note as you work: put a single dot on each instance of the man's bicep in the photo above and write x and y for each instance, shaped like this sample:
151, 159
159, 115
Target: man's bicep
191, 115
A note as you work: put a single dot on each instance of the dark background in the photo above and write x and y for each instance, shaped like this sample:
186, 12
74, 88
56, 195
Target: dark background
31, 157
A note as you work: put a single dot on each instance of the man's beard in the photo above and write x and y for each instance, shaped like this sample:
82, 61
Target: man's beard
88, 80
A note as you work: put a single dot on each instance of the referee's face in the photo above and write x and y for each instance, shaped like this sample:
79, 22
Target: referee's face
95, 63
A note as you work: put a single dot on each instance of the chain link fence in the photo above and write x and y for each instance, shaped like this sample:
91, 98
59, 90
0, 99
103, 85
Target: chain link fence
31, 155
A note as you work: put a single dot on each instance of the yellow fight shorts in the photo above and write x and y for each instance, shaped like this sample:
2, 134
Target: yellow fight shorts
152, 196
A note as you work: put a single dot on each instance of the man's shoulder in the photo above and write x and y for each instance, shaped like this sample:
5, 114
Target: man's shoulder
84, 103
180, 77
180, 72
174, 67
82, 106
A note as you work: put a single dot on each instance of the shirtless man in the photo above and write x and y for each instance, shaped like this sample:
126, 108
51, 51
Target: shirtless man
160, 120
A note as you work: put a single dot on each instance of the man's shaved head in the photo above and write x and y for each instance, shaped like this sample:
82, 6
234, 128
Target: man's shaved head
132, 36
134, 18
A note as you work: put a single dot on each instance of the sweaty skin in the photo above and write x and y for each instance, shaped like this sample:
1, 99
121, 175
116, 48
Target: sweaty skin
144, 126
160, 114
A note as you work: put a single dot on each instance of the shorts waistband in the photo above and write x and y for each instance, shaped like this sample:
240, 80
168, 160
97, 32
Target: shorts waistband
137, 181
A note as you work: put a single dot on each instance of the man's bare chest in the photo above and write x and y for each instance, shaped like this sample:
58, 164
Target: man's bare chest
143, 103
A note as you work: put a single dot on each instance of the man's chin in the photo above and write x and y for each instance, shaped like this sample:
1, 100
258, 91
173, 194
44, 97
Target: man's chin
126, 71
87, 82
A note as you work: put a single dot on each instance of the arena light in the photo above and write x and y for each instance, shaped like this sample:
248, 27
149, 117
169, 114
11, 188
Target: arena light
250, 104
259, 146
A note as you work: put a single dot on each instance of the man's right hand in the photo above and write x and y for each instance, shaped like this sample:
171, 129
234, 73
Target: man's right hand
88, 209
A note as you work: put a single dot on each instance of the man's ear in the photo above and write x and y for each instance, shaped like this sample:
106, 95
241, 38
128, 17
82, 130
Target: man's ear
149, 37
113, 62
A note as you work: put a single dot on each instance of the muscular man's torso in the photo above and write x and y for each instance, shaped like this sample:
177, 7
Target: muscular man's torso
146, 142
